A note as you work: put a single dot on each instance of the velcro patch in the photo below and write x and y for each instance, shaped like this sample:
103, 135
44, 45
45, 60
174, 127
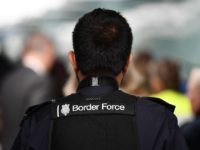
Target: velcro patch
90, 108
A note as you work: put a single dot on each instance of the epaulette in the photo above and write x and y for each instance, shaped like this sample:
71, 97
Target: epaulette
33, 109
170, 107
155, 100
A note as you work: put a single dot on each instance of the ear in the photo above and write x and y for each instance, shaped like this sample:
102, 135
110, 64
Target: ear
72, 59
129, 61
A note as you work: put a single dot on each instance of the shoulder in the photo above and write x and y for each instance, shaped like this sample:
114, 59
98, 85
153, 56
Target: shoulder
43, 110
149, 102
37, 108
37, 111
156, 112
157, 102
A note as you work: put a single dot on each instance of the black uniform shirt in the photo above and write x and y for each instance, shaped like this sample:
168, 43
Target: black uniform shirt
156, 124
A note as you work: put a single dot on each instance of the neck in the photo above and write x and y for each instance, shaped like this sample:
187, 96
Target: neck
118, 78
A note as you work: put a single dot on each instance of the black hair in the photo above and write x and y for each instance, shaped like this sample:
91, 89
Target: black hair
102, 41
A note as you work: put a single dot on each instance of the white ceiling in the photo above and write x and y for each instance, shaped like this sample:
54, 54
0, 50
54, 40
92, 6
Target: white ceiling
13, 11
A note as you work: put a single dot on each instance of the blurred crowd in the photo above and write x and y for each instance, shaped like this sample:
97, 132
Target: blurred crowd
40, 75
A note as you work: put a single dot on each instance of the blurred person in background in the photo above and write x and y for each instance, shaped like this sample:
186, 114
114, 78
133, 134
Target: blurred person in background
164, 81
142, 61
1, 127
5, 67
71, 84
136, 80
191, 130
59, 76
27, 85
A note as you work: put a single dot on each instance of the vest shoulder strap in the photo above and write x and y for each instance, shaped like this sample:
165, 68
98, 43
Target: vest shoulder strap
159, 101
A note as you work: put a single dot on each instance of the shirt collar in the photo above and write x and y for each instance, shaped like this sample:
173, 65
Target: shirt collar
97, 85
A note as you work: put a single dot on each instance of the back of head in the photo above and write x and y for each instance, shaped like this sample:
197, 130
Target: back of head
102, 41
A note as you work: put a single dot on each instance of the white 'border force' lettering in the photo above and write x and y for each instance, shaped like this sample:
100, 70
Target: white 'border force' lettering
104, 106
112, 107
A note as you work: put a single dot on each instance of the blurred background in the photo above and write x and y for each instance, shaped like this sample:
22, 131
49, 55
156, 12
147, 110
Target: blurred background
38, 34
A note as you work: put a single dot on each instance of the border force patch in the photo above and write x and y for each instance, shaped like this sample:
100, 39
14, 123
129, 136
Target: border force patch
91, 108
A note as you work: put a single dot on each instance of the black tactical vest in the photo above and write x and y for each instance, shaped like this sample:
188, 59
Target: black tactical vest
95, 122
